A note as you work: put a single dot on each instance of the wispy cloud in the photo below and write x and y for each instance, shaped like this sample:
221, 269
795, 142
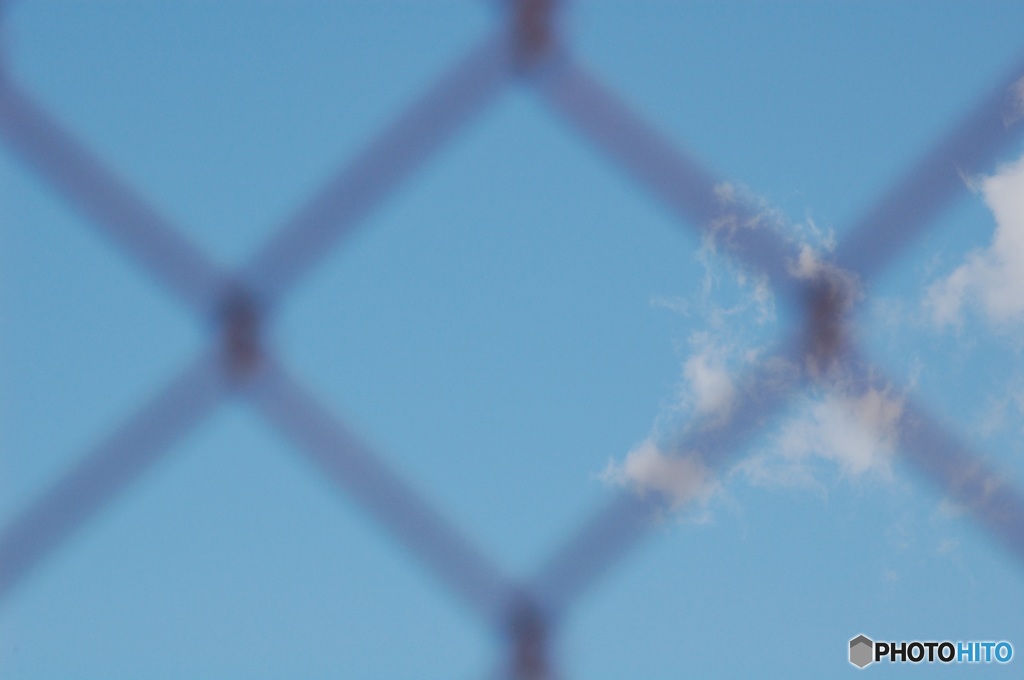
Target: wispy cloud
840, 429
709, 382
992, 277
680, 479
855, 431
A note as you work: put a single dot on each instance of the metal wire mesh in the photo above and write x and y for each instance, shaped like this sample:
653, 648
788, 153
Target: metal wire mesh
525, 51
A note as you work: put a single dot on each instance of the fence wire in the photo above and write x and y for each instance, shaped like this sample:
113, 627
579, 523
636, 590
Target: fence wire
523, 51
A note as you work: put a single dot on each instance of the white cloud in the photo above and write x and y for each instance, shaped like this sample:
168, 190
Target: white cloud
808, 264
857, 433
993, 276
680, 479
709, 383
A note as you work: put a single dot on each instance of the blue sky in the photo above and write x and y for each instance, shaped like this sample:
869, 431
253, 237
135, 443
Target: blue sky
517, 331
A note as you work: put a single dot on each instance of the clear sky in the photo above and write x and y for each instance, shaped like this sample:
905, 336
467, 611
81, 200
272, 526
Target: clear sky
517, 331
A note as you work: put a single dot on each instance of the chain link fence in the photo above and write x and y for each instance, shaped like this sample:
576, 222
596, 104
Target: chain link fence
524, 50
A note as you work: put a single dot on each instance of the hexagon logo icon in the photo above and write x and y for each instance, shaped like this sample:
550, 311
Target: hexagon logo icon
861, 651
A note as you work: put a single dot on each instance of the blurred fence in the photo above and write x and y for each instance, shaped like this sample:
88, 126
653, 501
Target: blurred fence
524, 50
